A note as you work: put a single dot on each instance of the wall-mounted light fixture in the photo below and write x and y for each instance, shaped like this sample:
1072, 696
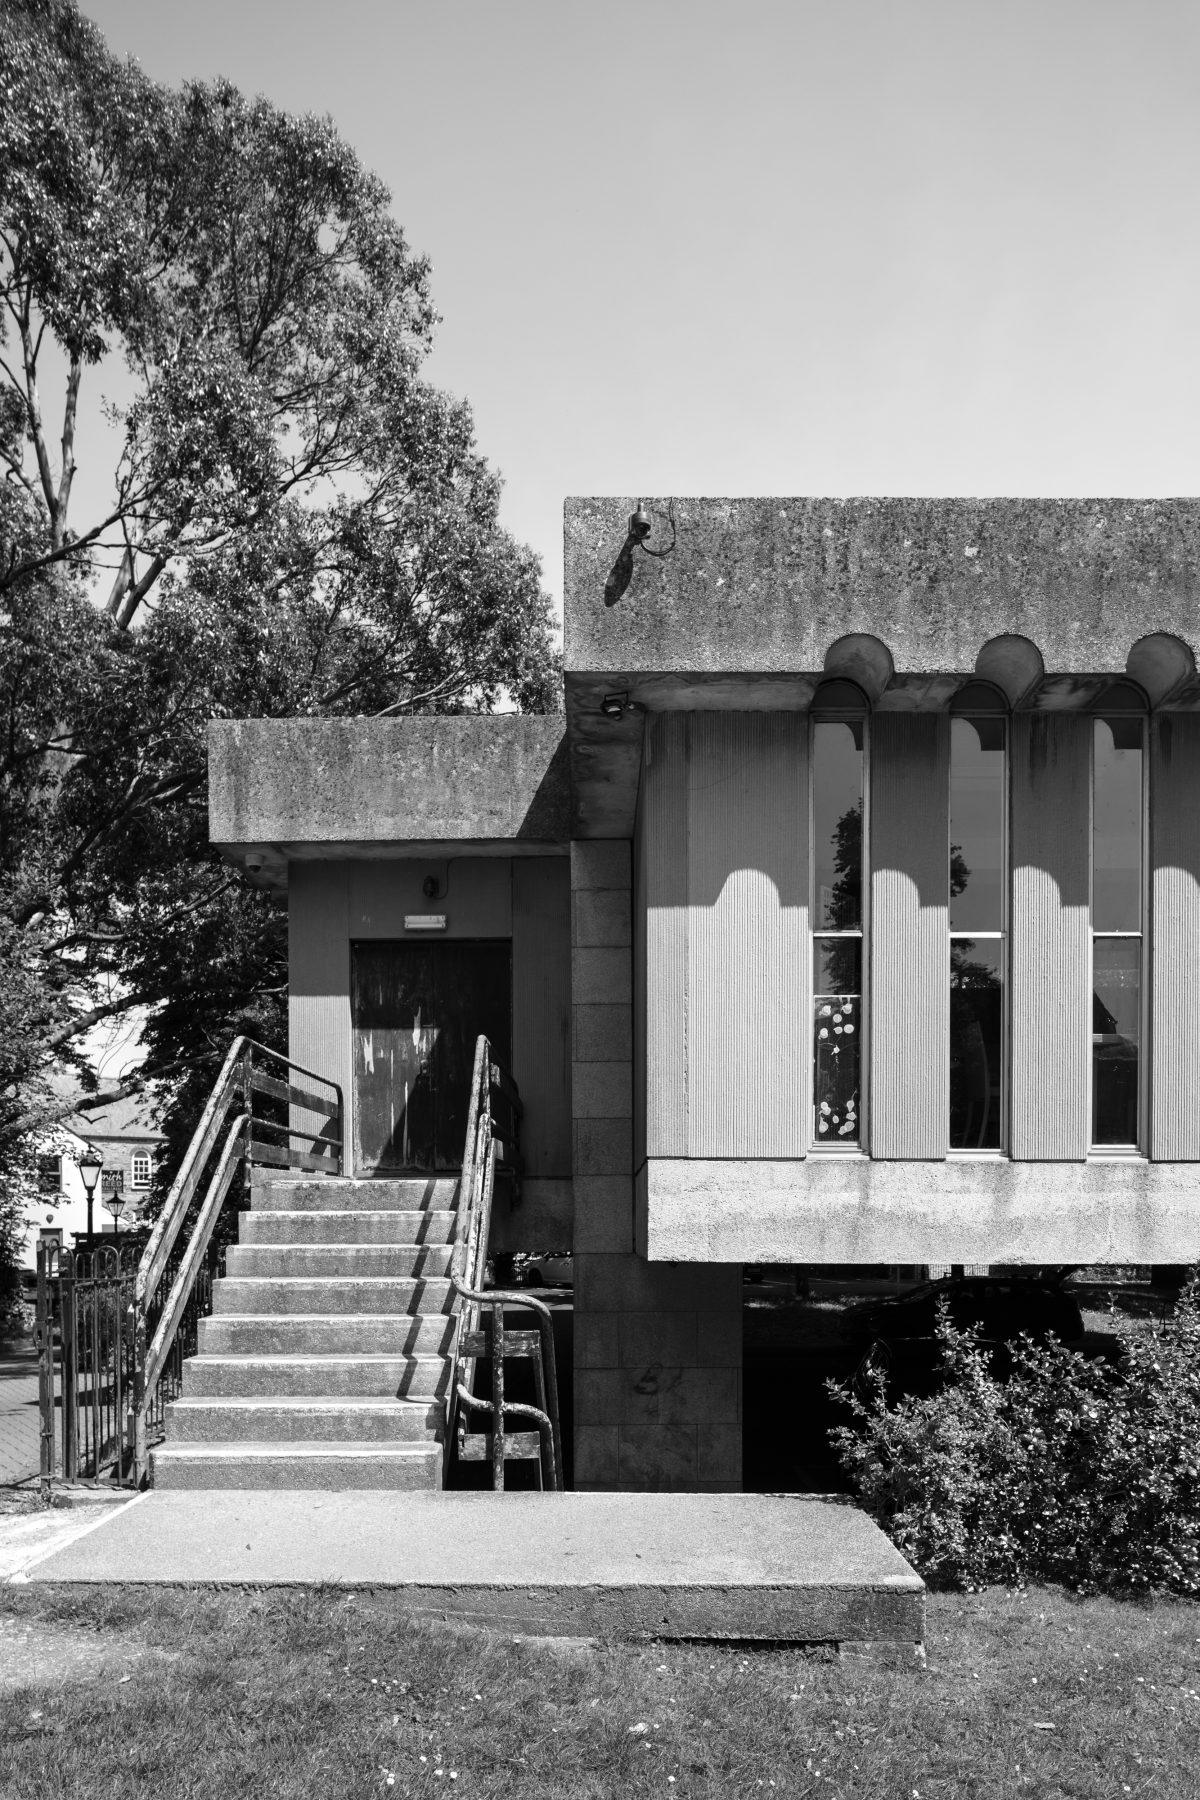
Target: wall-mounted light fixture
640, 527
424, 921
615, 706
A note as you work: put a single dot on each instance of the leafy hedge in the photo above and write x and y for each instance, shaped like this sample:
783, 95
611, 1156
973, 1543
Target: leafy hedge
1069, 1469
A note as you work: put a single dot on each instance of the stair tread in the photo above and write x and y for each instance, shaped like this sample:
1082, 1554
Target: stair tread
294, 1358
300, 1449
342, 1402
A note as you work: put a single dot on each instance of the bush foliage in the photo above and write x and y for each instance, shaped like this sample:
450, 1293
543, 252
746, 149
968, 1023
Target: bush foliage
1069, 1469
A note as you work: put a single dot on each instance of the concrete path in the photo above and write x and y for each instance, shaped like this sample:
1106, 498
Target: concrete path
675, 1565
20, 1442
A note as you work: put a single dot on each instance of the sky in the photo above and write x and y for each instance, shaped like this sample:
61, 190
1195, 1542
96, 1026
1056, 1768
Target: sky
842, 247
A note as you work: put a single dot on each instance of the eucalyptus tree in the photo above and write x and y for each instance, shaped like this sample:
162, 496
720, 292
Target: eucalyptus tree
214, 294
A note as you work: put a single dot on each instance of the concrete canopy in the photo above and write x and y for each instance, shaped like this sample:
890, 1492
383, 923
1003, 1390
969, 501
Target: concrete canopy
285, 789
760, 598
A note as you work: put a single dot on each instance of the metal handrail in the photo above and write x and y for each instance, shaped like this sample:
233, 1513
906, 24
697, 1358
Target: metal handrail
240, 1079
472, 1230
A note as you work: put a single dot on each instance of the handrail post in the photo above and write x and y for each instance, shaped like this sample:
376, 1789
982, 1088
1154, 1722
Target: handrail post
45, 1326
497, 1324
68, 1359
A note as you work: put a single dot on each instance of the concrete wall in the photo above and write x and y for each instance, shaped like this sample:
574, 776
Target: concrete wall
332, 904
768, 585
657, 1351
336, 782
722, 936
967, 1209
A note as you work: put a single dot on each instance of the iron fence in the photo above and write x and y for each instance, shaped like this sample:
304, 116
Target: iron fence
87, 1357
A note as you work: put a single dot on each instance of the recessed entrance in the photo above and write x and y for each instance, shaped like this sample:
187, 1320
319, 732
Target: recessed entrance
416, 1010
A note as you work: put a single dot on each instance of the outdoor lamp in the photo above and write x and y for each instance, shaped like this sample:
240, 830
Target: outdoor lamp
115, 1204
90, 1166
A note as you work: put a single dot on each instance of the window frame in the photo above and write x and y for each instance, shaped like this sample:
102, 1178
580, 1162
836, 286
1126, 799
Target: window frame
136, 1157
819, 715
1095, 1151
1002, 713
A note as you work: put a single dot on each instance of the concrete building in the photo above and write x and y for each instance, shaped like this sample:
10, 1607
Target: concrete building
850, 914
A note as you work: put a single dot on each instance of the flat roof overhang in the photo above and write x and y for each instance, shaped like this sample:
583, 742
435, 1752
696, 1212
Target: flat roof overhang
284, 790
760, 599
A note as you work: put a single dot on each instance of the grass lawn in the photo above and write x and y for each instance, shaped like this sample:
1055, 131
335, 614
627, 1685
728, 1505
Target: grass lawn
327, 1695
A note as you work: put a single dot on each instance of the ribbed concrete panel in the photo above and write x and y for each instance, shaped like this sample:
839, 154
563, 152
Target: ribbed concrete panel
541, 1049
663, 851
319, 979
748, 1050
1175, 937
1050, 936
908, 1021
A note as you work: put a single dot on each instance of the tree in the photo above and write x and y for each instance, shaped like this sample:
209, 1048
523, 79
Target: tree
299, 524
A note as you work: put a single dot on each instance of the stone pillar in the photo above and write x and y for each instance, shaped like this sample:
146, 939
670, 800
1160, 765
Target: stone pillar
658, 1347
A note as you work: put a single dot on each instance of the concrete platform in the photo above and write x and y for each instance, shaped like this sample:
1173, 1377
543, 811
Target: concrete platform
765, 1566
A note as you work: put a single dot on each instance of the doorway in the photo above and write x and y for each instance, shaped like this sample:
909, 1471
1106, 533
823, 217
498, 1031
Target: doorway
416, 1010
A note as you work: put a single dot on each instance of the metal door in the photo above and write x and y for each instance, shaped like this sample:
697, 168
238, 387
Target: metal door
416, 1010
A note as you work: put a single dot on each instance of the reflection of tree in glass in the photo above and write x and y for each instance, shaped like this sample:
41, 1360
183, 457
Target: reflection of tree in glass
976, 1002
845, 905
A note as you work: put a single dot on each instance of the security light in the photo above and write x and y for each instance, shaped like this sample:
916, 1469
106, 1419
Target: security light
614, 706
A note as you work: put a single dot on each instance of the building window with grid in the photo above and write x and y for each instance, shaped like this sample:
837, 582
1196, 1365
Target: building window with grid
836, 911
141, 1169
1118, 906
49, 1174
978, 879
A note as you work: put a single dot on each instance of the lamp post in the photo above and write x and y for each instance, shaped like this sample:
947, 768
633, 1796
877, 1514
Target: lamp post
114, 1203
90, 1166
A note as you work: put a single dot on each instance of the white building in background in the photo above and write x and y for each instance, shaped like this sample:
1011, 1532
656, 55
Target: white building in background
127, 1140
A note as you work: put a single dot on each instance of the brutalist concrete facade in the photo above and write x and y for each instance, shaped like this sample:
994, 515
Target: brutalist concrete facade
673, 801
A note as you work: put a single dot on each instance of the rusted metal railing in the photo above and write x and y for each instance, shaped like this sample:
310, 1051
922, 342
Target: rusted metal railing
489, 1150
263, 1109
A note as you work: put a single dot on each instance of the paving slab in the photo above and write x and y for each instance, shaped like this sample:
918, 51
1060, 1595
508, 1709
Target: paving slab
768, 1566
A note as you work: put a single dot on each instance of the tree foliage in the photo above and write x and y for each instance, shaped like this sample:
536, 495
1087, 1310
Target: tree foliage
299, 523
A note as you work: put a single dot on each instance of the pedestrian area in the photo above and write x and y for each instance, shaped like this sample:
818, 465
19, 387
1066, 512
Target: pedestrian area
19, 1437
756, 1566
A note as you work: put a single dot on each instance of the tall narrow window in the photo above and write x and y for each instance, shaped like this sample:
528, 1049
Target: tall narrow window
1117, 881
837, 929
978, 887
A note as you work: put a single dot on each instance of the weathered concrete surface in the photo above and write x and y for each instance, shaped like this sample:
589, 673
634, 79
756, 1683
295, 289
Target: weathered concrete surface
767, 585
27, 1538
320, 785
1051, 599
968, 1209
684, 1565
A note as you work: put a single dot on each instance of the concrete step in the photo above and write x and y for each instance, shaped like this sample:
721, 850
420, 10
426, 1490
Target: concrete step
407, 1377
330, 1334
308, 1464
325, 1226
377, 1194
301, 1418
264, 1295
776, 1567
350, 1260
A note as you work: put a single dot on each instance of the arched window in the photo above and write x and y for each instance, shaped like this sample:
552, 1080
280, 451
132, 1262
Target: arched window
838, 876
1118, 908
978, 916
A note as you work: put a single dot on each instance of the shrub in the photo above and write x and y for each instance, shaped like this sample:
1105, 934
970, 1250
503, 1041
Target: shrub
1068, 1469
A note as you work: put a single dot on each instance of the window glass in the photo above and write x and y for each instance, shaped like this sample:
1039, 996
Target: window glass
977, 824
837, 825
976, 1043
837, 1039
1116, 1039
1117, 826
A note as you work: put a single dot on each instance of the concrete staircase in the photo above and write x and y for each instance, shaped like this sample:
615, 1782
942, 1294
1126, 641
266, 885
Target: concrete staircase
325, 1362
